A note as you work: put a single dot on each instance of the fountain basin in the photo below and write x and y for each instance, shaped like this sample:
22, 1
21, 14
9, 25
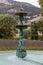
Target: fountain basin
32, 58
21, 13
22, 26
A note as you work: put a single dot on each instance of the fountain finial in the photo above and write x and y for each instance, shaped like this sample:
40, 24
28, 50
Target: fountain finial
21, 8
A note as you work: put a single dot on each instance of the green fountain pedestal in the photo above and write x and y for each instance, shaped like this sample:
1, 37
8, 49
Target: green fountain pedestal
21, 52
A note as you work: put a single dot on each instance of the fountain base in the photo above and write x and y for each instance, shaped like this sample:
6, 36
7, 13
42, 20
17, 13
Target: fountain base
21, 52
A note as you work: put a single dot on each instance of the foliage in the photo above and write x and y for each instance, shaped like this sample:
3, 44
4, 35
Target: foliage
34, 33
41, 4
7, 23
27, 34
40, 23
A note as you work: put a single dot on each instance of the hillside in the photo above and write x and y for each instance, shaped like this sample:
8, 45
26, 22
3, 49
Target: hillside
10, 7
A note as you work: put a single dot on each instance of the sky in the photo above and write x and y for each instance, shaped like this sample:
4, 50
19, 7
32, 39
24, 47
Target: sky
34, 2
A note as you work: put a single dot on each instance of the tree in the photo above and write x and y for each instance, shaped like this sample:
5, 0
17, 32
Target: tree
34, 33
41, 22
40, 27
7, 23
27, 34
41, 4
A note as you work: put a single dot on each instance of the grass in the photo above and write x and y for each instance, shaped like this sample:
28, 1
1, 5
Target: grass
34, 48
7, 49
12, 48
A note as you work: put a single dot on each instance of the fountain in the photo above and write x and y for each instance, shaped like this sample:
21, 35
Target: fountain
21, 52
21, 56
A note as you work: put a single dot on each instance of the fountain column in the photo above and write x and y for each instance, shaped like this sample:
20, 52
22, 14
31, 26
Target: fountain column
21, 52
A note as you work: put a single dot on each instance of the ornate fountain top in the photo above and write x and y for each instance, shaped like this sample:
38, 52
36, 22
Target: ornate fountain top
21, 12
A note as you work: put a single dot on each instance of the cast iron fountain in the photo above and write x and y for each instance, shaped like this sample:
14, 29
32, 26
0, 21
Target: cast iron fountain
21, 52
